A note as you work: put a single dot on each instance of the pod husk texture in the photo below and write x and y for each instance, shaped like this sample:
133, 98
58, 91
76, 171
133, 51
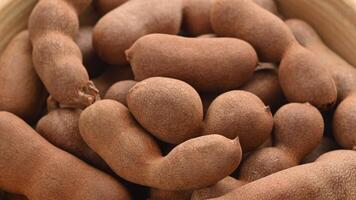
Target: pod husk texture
248, 118
207, 64
56, 57
133, 154
61, 128
31, 166
120, 28
298, 129
169, 109
21, 90
331, 177
303, 77
341, 71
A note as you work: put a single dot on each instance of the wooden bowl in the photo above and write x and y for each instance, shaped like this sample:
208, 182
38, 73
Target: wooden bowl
335, 21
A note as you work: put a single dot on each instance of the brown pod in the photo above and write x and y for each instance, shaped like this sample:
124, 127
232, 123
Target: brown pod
240, 114
156, 194
119, 91
247, 21
91, 61
120, 28
105, 6
304, 78
53, 25
112, 75
196, 16
169, 109
207, 64
331, 177
109, 129
21, 91
342, 72
31, 166
344, 123
61, 128
298, 129
222, 187
265, 85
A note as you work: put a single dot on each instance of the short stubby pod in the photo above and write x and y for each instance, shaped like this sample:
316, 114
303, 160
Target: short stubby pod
344, 123
240, 113
120, 28
169, 109
207, 64
109, 129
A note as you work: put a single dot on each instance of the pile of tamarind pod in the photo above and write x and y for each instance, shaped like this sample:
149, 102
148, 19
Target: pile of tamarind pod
174, 100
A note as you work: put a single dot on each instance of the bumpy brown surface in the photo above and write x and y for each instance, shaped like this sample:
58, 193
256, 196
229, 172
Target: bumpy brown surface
31, 166
21, 91
246, 20
331, 177
56, 57
105, 6
265, 85
119, 91
240, 114
120, 28
303, 77
169, 109
298, 129
208, 64
342, 72
344, 123
109, 129
61, 128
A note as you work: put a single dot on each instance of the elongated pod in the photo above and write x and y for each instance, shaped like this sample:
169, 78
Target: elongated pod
21, 90
303, 76
31, 166
341, 71
57, 59
207, 64
331, 176
109, 129
120, 28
